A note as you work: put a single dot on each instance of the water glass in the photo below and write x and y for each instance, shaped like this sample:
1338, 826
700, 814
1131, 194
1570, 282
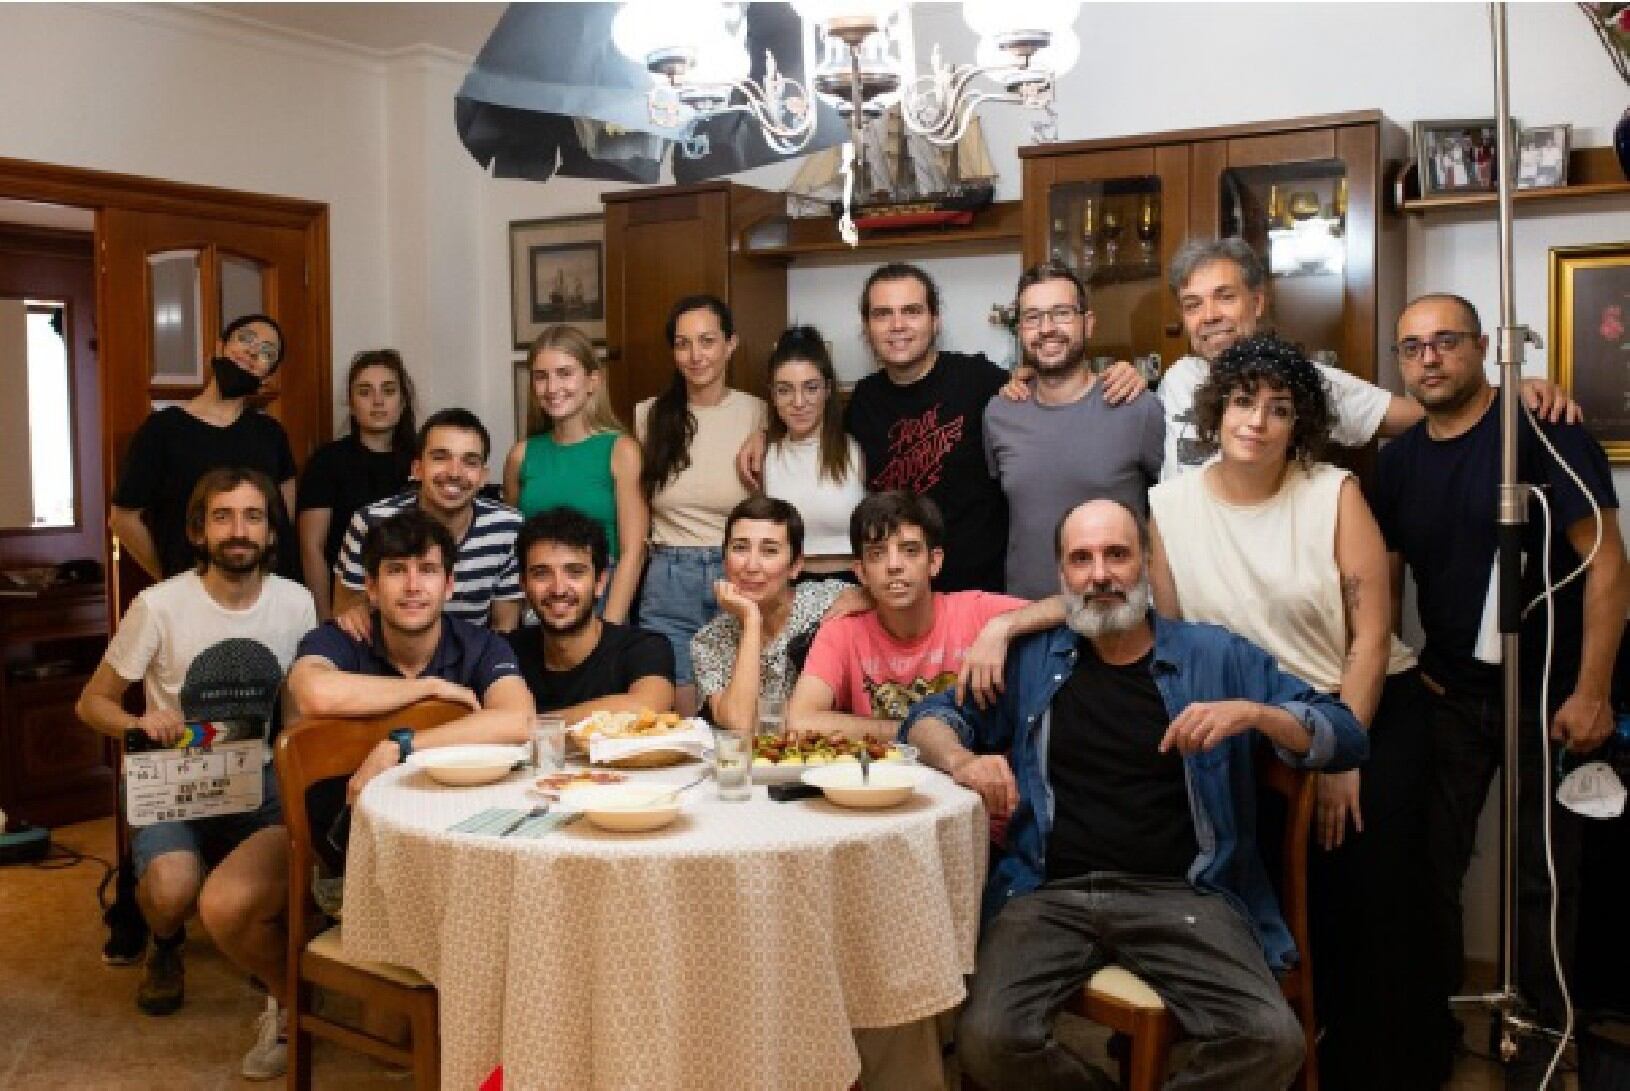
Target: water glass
732, 766
548, 743
771, 715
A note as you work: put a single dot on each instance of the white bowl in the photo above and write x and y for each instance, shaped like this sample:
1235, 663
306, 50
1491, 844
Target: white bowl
890, 783
624, 808
470, 764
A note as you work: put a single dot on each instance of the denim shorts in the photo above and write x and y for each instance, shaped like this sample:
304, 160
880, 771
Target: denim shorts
210, 839
677, 599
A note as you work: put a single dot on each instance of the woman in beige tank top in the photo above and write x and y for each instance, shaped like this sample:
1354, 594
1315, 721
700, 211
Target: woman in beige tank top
1281, 548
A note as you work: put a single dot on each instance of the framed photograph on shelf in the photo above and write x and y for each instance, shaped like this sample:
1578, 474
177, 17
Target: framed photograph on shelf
1542, 156
557, 274
1590, 337
1457, 156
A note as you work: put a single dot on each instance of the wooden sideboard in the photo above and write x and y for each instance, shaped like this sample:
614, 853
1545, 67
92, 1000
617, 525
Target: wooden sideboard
53, 769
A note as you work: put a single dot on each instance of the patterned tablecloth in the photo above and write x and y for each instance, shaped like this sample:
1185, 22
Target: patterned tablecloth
736, 948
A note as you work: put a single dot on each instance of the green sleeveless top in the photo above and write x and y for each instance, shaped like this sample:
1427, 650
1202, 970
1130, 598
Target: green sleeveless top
577, 475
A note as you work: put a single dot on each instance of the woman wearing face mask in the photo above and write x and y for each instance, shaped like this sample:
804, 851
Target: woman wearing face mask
577, 456
1283, 549
689, 436
177, 445
810, 462
370, 462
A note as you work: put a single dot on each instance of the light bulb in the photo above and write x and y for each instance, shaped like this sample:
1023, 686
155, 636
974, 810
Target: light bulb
991, 17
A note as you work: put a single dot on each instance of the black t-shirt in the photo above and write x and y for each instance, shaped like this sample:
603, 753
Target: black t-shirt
928, 438
342, 476
623, 656
173, 449
1437, 504
1119, 804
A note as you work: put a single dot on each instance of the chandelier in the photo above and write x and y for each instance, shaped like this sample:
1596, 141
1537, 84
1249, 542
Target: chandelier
859, 56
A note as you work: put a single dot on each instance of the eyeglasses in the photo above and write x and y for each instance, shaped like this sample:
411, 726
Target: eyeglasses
1443, 342
266, 352
786, 392
1060, 315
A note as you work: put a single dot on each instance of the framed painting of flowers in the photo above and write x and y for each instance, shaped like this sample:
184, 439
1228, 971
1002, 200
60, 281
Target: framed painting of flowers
1590, 337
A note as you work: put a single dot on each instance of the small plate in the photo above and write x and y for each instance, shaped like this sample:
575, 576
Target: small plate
890, 783
471, 764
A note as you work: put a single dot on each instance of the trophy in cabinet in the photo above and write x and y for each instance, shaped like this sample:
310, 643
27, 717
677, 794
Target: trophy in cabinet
1112, 225
1148, 230
1089, 238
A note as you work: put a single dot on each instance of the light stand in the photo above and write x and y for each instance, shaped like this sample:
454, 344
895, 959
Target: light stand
1512, 341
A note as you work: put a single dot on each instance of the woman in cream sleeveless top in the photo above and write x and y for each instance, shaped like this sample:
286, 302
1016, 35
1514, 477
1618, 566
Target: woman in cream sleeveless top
1282, 549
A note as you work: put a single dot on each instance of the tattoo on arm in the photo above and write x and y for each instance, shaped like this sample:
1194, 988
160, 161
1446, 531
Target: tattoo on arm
1349, 592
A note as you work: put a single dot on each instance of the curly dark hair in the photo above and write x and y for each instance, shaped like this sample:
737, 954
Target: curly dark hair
1267, 358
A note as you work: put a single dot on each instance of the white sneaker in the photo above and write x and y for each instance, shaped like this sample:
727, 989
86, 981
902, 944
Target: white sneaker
269, 1056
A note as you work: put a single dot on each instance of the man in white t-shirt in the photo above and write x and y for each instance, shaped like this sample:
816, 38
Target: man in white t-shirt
211, 644
1221, 289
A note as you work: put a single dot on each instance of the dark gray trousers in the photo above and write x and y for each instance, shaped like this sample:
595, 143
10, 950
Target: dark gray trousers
1196, 950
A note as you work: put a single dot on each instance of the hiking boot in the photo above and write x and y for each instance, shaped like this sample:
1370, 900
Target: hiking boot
269, 1056
163, 985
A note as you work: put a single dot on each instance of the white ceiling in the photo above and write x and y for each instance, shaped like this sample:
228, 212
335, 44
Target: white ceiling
462, 28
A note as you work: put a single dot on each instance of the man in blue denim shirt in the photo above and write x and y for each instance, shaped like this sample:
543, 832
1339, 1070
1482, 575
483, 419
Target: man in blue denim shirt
1121, 753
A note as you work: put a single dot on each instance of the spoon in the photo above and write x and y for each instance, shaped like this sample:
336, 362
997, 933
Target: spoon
865, 757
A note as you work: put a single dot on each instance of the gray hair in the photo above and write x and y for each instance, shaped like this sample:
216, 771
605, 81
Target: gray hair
1197, 252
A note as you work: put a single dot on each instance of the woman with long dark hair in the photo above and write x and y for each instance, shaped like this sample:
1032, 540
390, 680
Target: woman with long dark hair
809, 461
1281, 548
576, 455
689, 435
370, 462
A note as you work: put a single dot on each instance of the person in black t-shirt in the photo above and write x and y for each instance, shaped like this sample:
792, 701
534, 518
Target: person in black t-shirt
176, 446
574, 662
369, 463
1435, 497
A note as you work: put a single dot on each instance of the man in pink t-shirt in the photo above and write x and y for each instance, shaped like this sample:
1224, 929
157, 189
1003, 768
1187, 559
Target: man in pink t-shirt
866, 670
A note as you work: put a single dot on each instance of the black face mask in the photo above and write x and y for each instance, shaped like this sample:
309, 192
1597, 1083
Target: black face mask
232, 380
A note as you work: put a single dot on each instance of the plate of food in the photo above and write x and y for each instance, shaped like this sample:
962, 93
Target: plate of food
553, 784
885, 784
782, 758
640, 740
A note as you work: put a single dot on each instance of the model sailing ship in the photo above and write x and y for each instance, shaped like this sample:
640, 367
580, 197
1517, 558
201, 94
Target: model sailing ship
902, 181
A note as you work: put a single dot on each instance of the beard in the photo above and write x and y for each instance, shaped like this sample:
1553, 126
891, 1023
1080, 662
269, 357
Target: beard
1093, 620
1073, 359
236, 564
572, 625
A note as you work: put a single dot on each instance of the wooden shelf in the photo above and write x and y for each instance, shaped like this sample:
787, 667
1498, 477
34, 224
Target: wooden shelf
996, 228
1595, 174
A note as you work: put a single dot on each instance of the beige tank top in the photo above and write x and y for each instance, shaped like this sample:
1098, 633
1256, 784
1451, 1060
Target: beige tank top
1266, 571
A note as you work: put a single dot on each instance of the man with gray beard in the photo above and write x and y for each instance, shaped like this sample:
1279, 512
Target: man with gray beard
1114, 753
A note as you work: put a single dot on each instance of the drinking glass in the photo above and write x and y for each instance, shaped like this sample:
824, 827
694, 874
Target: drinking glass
772, 713
732, 766
548, 743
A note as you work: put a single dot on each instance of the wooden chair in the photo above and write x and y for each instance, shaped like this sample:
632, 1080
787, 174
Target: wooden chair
314, 750
1118, 999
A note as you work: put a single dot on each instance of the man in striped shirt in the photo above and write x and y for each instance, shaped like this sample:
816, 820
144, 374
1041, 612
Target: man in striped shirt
449, 468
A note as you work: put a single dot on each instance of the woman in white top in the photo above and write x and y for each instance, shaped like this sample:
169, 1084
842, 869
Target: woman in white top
689, 435
1283, 549
810, 462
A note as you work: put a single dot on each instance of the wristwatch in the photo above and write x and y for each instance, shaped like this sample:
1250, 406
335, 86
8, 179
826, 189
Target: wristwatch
403, 738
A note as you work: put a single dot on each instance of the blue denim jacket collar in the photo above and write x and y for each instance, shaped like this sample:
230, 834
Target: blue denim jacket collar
1192, 662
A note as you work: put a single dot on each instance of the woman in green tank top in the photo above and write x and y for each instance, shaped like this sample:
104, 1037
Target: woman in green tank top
577, 455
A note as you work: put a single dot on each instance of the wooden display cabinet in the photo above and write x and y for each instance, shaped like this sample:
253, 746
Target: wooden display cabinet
53, 769
1306, 193
665, 243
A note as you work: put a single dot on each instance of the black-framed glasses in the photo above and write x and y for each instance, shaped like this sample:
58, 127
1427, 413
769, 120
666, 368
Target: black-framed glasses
1060, 316
1443, 342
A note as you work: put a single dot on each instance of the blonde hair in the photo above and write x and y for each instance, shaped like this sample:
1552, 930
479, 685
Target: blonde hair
598, 414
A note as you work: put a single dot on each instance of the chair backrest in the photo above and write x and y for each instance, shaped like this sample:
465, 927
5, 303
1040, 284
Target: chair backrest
316, 749
1298, 789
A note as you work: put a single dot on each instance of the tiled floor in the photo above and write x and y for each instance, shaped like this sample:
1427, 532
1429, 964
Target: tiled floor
67, 1021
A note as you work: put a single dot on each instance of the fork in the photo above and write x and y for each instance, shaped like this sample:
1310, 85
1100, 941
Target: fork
537, 811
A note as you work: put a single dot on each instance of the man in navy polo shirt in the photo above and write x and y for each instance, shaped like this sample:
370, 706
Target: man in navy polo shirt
414, 652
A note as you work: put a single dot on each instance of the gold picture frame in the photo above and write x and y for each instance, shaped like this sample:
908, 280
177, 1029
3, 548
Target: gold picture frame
1590, 337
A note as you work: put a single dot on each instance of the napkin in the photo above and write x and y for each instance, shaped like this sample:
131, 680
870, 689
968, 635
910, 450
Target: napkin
495, 820
693, 738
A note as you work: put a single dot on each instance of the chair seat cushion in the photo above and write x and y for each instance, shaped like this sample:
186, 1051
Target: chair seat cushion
327, 945
1119, 983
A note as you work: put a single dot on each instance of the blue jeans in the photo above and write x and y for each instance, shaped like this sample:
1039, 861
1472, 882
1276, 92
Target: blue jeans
677, 598
210, 839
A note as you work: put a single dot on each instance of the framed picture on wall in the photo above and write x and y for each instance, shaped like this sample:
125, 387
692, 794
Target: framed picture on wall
557, 274
1590, 337
1457, 156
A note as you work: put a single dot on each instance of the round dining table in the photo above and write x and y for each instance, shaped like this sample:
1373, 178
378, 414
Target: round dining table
738, 947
